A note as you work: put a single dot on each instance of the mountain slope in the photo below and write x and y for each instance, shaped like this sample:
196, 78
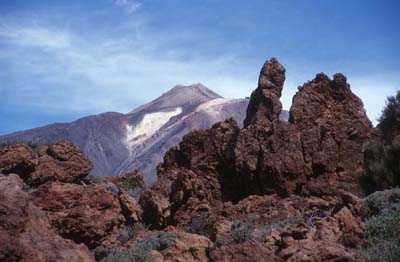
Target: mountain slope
117, 142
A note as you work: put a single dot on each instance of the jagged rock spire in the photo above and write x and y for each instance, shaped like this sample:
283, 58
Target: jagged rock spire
265, 106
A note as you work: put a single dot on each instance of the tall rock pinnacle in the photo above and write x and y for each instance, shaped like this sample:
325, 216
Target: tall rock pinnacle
264, 106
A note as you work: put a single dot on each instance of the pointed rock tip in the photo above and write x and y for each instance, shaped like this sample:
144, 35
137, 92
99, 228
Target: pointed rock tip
340, 81
273, 73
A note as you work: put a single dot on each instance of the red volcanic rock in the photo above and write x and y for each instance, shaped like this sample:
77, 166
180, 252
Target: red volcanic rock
244, 252
193, 172
264, 106
89, 215
318, 153
130, 208
156, 205
61, 162
19, 159
333, 125
293, 228
25, 232
186, 247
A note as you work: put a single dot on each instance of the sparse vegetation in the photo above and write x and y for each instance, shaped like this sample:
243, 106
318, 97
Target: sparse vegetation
243, 231
91, 180
389, 122
33, 145
381, 159
139, 252
132, 181
382, 228
381, 165
130, 231
201, 226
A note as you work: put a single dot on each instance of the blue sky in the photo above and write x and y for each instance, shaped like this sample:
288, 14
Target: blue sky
61, 60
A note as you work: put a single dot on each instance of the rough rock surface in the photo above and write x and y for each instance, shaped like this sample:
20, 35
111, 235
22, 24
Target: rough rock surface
318, 147
271, 191
187, 247
18, 159
301, 170
61, 162
193, 174
89, 215
25, 232
248, 251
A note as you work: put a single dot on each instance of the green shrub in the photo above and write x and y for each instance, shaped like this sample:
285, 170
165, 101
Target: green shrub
382, 227
389, 122
92, 180
139, 252
33, 145
381, 166
382, 159
200, 226
242, 231
131, 181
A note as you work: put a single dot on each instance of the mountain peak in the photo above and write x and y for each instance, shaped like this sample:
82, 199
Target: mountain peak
193, 89
181, 96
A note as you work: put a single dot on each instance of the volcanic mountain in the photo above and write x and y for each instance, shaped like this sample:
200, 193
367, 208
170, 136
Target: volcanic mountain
117, 142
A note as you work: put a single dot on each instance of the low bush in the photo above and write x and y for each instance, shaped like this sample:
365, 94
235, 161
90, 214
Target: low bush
33, 145
381, 166
381, 211
200, 226
139, 252
389, 121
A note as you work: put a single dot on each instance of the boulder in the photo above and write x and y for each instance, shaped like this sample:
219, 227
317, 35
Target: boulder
60, 161
89, 215
25, 231
19, 159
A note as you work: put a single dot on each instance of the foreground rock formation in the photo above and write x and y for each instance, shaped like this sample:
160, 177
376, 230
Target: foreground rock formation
61, 162
316, 155
270, 191
25, 232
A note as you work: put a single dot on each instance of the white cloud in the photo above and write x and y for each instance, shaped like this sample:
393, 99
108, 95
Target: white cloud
57, 69
130, 6
60, 70
34, 36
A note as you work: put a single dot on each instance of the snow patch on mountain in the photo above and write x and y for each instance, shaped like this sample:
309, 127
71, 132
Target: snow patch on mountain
150, 124
213, 107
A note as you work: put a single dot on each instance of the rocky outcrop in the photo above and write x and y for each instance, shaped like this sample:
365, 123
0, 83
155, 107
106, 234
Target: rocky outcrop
264, 106
89, 215
193, 175
61, 162
25, 232
185, 247
318, 147
334, 126
300, 169
271, 191
18, 159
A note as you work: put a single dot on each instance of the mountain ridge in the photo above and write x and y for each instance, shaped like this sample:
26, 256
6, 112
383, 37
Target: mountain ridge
117, 142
